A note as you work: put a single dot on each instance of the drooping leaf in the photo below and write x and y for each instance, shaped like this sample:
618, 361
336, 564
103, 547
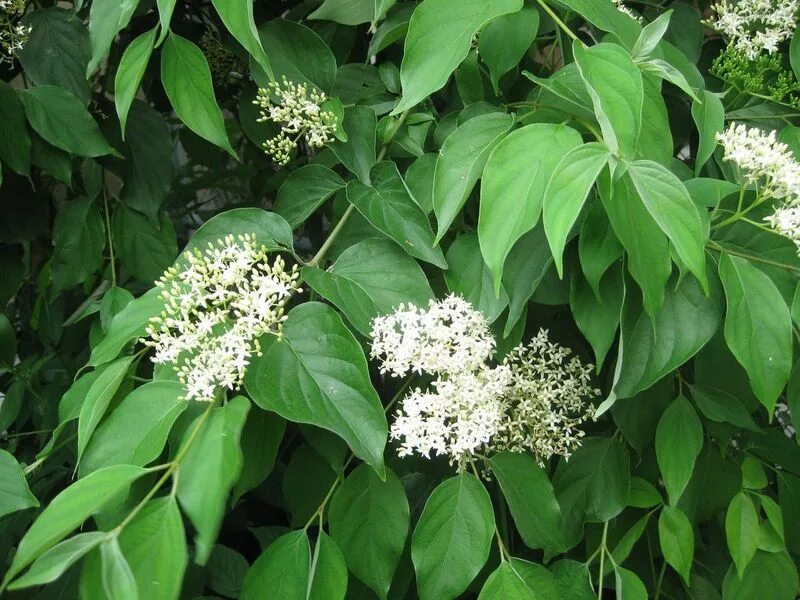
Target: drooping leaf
677, 540
106, 19
237, 15
679, 439
79, 238
14, 492
741, 531
329, 573
130, 72
504, 41
53, 563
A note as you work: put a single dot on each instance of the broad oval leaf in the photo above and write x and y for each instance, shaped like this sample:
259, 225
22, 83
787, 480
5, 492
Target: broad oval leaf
679, 439
758, 327
742, 531
676, 537
370, 278
369, 520
504, 41
513, 187
566, 193
438, 39
269, 229
282, 569
451, 540
304, 191
317, 374
187, 82
460, 164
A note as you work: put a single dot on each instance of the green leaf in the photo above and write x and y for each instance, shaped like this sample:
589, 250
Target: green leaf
283, 569
137, 429
370, 278
106, 19
504, 41
57, 51
352, 12
741, 531
297, 53
209, 470
617, 91
722, 407
607, 17
98, 399
506, 583
388, 206
537, 578
572, 579
116, 574
369, 520
328, 577
468, 276
269, 229
53, 564
625, 545
679, 439
69, 509
60, 118
15, 142
154, 544
629, 586
794, 54
317, 374
770, 576
709, 117
513, 187
439, 37
304, 191
127, 325
531, 499
758, 327
261, 439
187, 82
651, 35
452, 538
598, 320
79, 238
358, 152
460, 164
526, 265
130, 72
652, 348
643, 494
165, 10
14, 492
677, 540
665, 70
146, 251
594, 483
306, 482
566, 193
237, 15
670, 205
225, 571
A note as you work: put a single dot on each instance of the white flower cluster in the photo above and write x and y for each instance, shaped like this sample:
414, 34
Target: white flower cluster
300, 115
770, 165
216, 307
755, 26
532, 402
13, 34
621, 7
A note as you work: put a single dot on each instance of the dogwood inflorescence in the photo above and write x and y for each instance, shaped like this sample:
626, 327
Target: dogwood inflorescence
765, 162
300, 115
13, 34
532, 402
755, 26
216, 306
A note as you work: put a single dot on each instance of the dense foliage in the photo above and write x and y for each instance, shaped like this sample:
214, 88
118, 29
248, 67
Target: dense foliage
394, 298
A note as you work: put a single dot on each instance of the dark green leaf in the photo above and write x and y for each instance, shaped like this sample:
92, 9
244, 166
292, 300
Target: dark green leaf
14, 492
504, 41
15, 142
468, 276
770, 576
269, 229
304, 191
679, 439
79, 238
741, 531
283, 569
506, 583
677, 540
328, 571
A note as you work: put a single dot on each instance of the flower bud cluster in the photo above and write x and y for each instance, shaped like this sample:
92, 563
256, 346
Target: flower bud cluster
299, 113
13, 34
532, 402
216, 306
755, 26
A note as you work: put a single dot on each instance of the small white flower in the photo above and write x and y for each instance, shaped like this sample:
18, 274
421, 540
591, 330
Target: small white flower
753, 26
216, 307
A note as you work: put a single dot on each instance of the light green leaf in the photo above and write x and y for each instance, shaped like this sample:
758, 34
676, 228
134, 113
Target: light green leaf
210, 469
371, 278
187, 82
531, 499
629, 586
758, 327
741, 531
165, 10
352, 12
643, 494
237, 15
438, 39
651, 35
679, 439
460, 164
130, 72
664, 70
283, 569
60, 118
154, 544
69, 509
98, 398
507, 584
388, 205
106, 19
317, 374
135, 433
670, 205
54, 563
14, 492
566, 193
304, 191
468, 276
116, 574
369, 520
617, 91
452, 538
513, 187
677, 540
504, 41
